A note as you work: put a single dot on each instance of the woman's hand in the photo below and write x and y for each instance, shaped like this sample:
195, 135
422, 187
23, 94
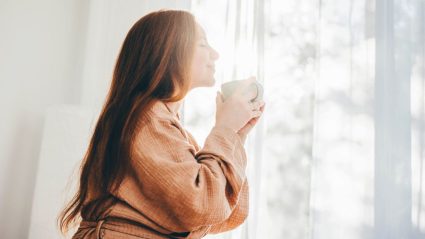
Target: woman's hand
236, 112
251, 123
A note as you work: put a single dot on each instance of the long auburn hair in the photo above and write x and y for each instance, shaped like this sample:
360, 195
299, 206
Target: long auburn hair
153, 64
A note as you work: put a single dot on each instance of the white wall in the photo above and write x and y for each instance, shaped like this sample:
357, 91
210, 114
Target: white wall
51, 53
40, 46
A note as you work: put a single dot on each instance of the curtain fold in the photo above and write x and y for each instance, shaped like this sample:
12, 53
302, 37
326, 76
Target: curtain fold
393, 194
343, 141
417, 107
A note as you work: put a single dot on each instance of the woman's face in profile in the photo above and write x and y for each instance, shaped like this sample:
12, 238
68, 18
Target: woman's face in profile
203, 64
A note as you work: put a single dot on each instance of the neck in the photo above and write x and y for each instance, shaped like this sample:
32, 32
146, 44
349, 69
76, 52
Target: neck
174, 106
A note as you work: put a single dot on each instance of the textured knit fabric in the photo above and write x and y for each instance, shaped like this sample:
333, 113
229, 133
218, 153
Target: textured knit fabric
175, 189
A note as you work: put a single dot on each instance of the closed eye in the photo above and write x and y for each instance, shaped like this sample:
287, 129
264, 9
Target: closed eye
204, 42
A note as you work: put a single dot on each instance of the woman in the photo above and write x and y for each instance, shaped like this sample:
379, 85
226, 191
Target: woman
143, 175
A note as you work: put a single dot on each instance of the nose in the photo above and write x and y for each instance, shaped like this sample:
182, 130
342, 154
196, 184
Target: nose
214, 54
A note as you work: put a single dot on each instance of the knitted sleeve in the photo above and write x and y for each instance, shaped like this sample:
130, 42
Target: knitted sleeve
182, 189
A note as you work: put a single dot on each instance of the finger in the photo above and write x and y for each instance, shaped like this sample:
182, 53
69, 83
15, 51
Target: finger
262, 107
248, 126
253, 121
258, 105
252, 106
256, 113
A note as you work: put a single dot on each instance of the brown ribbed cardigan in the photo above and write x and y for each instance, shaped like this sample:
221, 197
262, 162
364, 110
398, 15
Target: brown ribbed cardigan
175, 189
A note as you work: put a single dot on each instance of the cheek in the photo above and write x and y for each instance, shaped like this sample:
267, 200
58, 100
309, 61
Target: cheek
196, 71
199, 66
200, 59
200, 76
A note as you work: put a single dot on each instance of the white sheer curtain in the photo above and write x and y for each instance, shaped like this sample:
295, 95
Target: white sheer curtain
368, 138
340, 150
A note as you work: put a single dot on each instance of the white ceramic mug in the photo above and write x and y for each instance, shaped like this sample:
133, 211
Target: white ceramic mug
255, 89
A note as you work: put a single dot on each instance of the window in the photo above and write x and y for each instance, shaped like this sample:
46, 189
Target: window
340, 146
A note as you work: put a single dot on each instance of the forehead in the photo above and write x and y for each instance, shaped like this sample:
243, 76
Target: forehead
200, 31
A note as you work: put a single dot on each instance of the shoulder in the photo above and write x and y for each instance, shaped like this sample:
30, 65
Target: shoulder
160, 111
163, 125
159, 120
156, 115
161, 134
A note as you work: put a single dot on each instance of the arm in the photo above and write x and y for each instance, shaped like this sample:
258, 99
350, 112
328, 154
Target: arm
240, 212
179, 189
238, 215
